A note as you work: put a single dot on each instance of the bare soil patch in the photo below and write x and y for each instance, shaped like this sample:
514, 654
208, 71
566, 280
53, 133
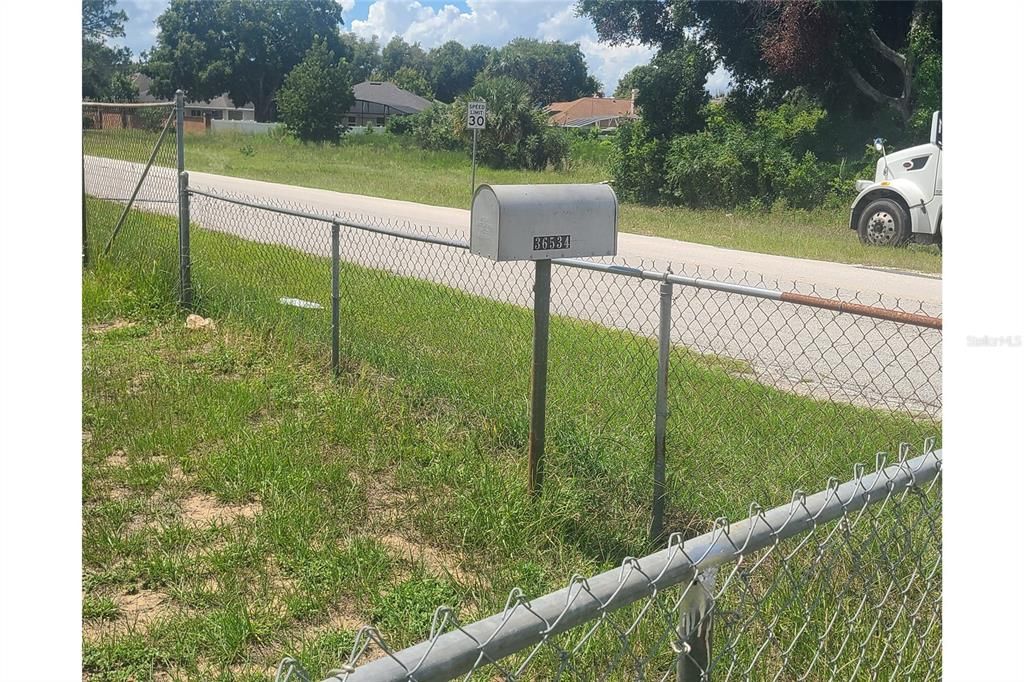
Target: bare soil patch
104, 327
204, 510
135, 611
434, 560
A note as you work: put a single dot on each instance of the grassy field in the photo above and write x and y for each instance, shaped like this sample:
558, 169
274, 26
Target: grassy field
238, 505
391, 167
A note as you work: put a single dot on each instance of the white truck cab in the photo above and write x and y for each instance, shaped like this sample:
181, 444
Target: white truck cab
904, 201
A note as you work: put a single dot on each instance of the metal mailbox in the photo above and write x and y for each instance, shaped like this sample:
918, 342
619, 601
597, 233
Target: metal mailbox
539, 222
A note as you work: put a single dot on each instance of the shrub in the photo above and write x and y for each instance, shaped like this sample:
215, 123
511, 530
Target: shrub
638, 164
729, 163
152, 118
316, 96
517, 135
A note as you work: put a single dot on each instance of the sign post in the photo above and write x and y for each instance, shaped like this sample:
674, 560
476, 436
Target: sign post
476, 120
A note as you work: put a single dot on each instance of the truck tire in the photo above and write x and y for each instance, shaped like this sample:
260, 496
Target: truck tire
883, 222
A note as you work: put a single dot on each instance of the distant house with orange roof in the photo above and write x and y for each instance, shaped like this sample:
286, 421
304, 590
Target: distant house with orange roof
597, 112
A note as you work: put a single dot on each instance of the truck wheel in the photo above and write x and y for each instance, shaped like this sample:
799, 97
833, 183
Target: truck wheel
884, 223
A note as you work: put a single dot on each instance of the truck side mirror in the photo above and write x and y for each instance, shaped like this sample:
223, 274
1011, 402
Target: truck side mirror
936, 136
880, 145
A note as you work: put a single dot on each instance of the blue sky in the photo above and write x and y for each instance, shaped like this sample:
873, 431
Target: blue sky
433, 22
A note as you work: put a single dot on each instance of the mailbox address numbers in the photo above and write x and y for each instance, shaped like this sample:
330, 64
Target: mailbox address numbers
557, 241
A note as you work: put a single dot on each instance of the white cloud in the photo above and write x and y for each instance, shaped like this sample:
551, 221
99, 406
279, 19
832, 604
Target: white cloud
496, 22
719, 81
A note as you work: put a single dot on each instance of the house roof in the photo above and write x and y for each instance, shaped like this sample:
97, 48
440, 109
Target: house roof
564, 113
142, 82
591, 120
389, 94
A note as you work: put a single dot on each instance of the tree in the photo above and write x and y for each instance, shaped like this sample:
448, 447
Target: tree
453, 68
104, 68
242, 47
365, 57
316, 96
100, 20
856, 57
552, 71
412, 80
671, 90
517, 133
628, 82
398, 54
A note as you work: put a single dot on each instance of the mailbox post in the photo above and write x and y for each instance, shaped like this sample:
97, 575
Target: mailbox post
539, 223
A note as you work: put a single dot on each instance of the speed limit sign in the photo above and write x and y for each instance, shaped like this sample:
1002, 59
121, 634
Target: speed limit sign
476, 115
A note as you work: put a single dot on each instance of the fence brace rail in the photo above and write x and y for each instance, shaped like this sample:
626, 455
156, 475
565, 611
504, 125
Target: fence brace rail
639, 273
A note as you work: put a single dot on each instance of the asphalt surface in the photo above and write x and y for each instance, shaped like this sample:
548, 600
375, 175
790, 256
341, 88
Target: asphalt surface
799, 349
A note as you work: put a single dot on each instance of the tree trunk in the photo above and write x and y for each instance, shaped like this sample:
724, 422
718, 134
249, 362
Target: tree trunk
905, 64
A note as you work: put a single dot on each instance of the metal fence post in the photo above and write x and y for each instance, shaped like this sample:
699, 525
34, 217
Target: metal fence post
539, 373
335, 299
184, 248
694, 658
661, 410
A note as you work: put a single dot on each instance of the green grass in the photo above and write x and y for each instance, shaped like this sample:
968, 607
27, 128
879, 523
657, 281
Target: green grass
239, 505
392, 167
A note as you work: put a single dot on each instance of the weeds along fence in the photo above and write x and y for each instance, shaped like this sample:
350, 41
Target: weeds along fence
844, 584
661, 377
670, 388
132, 158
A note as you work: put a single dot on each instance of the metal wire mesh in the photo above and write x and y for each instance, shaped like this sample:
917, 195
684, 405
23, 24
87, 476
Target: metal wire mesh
775, 393
121, 145
764, 394
842, 584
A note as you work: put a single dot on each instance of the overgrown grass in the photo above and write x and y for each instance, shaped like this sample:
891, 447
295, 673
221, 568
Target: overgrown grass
393, 167
240, 505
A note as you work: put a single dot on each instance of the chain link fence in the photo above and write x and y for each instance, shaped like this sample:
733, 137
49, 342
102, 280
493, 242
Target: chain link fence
672, 390
130, 157
775, 391
842, 584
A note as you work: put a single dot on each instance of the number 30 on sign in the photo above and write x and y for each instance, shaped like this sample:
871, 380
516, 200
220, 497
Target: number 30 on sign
476, 115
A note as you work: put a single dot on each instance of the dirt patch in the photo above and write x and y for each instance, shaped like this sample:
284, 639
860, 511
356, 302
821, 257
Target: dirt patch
135, 611
433, 559
204, 510
385, 503
86, 437
119, 459
104, 327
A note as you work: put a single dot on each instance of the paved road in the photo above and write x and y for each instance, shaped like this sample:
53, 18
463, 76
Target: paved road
795, 348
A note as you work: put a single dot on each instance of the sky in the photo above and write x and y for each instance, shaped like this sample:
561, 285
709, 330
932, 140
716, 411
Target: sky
433, 22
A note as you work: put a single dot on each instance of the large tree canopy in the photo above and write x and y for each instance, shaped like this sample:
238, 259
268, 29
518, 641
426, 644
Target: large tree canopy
104, 68
552, 71
398, 54
670, 91
242, 47
316, 96
453, 68
857, 56
365, 56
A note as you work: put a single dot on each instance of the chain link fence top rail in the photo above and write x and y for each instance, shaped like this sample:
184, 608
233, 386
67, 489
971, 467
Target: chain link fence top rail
803, 383
764, 394
841, 584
